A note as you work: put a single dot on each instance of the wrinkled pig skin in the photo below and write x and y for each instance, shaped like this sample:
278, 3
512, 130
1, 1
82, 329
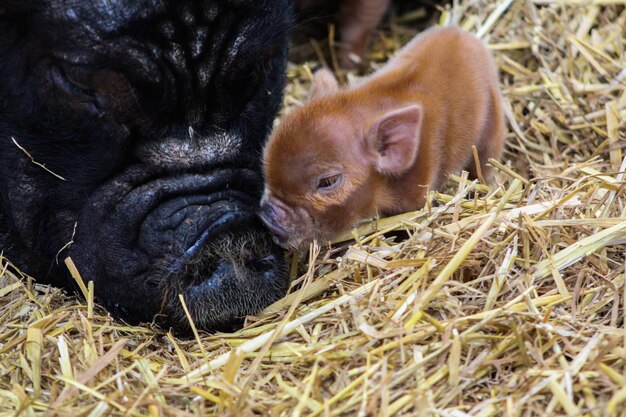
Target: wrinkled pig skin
154, 113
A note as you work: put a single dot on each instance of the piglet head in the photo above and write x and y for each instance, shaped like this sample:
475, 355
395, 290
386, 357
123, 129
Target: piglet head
326, 169
310, 173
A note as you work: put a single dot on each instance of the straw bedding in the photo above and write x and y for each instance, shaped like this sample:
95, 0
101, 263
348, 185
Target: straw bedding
495, 301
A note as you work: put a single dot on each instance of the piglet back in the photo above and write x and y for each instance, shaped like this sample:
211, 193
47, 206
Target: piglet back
454, 74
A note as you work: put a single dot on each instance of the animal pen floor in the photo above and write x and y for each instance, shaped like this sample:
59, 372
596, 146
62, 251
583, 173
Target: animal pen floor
506, 301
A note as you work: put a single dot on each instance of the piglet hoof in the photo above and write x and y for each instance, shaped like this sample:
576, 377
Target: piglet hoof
349, 60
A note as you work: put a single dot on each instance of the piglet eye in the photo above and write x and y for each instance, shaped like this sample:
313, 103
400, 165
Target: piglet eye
328, 183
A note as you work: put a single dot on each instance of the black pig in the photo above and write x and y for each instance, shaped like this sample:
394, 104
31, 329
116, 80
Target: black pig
154, 113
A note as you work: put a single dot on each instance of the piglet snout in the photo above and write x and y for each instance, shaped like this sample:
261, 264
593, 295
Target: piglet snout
274, 217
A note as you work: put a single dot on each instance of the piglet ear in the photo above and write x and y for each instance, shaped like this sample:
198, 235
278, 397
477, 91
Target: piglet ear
324, 84
393, 139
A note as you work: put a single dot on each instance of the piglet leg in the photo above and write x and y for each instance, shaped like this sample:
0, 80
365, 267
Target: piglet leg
358, 18
491, 142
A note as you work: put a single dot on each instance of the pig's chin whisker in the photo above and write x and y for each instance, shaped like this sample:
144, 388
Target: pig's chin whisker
236, 249
232, 261
294, 247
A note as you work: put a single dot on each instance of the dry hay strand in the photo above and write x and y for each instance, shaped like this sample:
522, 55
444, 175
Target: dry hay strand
495, 301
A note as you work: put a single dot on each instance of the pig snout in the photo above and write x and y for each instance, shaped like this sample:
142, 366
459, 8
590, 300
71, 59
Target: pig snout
275, 219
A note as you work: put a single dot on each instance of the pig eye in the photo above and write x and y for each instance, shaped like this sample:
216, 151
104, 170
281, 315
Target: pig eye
328, 183
68, 82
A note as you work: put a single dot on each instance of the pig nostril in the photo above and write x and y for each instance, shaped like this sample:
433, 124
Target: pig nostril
265, 215
278, 212
272, 217
273, 213
263, 212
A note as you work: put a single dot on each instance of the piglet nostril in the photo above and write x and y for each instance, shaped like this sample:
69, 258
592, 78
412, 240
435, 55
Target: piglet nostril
273, 217
265, 212
279, 214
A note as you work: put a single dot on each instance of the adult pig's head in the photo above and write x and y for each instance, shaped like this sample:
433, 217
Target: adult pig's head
154, 113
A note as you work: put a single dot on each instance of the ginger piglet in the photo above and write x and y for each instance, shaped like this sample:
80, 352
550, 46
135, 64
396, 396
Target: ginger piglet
379, 145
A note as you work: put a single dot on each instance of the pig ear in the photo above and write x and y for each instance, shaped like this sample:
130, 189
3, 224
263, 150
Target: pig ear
324, 84
394, 138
